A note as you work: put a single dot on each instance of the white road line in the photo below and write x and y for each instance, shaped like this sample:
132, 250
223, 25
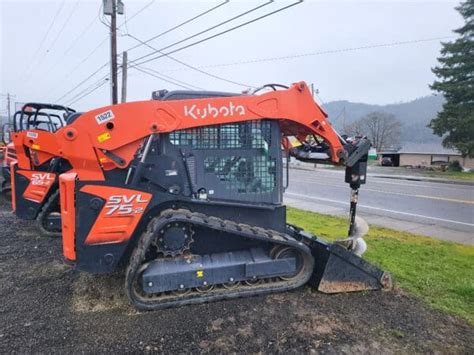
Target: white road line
366, 188
377, 180
379, 209
439, 185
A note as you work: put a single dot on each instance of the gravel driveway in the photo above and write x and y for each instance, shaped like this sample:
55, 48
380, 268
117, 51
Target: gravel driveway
49, 307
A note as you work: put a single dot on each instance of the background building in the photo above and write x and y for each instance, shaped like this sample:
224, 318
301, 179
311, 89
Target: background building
424, 155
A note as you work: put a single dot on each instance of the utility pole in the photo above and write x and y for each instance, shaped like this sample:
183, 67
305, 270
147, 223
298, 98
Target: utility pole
312, 90
9, 108
124, 76
112, 8
113, 52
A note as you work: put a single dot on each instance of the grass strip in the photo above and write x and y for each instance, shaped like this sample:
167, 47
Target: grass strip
440, 272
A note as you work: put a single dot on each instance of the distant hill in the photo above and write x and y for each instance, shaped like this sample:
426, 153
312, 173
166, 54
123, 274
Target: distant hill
414, 115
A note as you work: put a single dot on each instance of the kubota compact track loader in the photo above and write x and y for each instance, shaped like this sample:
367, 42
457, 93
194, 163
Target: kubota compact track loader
35, 173
185, 192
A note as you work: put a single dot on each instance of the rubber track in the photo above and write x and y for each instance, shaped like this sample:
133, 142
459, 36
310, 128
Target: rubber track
144, 302
43, 215
6, 194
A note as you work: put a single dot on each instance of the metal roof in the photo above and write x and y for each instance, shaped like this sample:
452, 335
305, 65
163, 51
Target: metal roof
423, 148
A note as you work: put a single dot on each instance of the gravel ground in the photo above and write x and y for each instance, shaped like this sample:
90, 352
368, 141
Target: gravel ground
48, 307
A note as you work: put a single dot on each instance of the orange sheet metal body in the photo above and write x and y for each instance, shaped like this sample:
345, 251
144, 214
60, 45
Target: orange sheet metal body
120, 129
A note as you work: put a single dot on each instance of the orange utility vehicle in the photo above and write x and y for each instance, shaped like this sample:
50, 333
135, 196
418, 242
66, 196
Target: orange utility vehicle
185, 192
35, 175
7, 156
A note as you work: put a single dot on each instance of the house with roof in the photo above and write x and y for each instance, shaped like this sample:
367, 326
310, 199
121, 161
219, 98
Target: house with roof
425, 155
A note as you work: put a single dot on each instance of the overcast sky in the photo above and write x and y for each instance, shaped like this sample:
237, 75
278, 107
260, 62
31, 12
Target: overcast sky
76, 44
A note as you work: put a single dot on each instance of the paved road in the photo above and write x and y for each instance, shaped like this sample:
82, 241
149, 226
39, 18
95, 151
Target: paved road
444, 211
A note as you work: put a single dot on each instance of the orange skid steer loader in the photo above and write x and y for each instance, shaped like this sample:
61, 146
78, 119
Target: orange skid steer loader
185, 193
7, 157
35, 188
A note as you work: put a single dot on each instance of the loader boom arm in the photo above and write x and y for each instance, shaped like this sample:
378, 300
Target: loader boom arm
109, 137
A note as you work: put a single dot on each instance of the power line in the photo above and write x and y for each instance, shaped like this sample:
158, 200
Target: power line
82, 82
94, 87
135, 14
73, 70
88, 56
44, 37
144, 70
192, 67
348, 49
88, 88
103, 41
63, 26
181, 24
194, 43
206, 30
84, 31
46, 73
89, 26
88, 93
172, 78
310, 54
215, 35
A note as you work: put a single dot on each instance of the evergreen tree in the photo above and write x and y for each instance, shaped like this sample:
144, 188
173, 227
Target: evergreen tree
456, 82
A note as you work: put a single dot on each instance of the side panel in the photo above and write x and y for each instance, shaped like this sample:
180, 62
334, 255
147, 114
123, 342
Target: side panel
31, 190
68, 213
106, 217
39, 186
119, 216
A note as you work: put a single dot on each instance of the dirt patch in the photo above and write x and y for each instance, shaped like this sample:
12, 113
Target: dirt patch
49, 307
95, 293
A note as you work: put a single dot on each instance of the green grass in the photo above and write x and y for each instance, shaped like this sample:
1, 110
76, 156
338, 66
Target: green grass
456, 175
441, 273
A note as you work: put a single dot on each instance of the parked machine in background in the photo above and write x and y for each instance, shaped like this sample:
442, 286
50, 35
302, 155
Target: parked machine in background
7, 156
35, 174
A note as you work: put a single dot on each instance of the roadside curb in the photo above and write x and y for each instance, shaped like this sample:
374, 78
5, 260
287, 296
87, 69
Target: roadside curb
423, 178
394, 177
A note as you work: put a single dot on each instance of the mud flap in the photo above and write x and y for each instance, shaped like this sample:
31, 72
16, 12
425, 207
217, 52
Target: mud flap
339, 270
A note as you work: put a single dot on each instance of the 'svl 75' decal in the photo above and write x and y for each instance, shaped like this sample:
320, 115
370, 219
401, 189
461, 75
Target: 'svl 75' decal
42, 179
120, 205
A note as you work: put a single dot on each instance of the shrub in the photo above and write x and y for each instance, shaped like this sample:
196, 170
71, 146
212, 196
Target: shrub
454, 166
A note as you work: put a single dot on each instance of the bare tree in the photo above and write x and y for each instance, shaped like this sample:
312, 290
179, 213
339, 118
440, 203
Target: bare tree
382, 128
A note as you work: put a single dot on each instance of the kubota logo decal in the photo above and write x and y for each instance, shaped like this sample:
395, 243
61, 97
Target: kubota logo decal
42, 179
210, 110
105, 116
125, 205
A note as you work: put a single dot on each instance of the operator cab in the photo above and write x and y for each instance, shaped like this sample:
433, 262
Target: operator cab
233, 162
